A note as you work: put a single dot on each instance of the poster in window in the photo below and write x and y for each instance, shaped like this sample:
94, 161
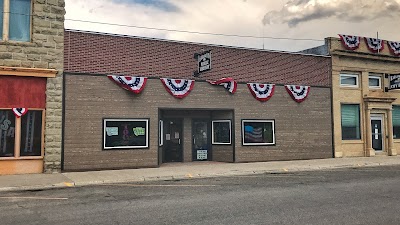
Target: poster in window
258, 132
125, 133
7, 133
31, 133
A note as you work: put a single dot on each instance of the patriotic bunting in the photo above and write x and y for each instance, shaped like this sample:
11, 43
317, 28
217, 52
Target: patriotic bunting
228, 83
298, 93
262, 92
374, 45
133, 84
394, 47
350, 42
179, 88
18, 112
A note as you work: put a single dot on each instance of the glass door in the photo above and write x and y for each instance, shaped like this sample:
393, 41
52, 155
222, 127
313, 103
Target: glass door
376, 128
201, 140
172, 146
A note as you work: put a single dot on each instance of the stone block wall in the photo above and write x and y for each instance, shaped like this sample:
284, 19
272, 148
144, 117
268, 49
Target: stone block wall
45, 50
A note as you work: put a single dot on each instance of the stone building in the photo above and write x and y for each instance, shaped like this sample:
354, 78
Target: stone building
109, 127
31, 68
366, 110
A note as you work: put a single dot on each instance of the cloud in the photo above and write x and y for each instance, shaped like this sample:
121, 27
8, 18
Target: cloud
164, 5
295, 12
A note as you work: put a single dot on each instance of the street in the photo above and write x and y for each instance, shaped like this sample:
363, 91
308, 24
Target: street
345, 196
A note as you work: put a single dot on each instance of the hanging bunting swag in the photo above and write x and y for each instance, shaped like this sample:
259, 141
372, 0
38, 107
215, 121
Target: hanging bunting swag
133, 84
374, 45
350, 42
179, 88
18, 112
394, 47
298, 93
228, 83
262, 92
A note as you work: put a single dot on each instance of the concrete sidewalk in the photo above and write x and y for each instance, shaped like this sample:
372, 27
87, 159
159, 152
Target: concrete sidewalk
176, 171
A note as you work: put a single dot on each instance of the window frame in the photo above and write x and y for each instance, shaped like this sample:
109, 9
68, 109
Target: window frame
147, 120
359, 122
349, 75
375, 76
272, 121
6, 22
212, 132
17, 137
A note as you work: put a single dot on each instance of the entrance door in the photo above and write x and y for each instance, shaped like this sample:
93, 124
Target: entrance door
376, 128
172, 148
201, 140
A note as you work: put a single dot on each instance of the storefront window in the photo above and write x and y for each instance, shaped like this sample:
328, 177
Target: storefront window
396, 122
31, 133
258, 132
126, 133
350, 121
221, 130
7, 133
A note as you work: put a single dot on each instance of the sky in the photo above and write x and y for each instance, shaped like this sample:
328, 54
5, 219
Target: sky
308, 21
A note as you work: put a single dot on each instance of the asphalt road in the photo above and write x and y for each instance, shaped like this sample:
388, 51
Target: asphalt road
345, 196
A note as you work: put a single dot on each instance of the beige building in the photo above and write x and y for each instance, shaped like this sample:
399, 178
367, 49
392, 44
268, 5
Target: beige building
31, 67
366, 115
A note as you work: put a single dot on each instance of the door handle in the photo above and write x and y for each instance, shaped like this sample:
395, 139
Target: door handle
179, 140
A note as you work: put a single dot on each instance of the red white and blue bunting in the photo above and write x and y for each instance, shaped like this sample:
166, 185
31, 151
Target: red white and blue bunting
350, 42
229, 84
298, 93
262, 92
18, 112
374, 45
394, 47
133, 84
179, 88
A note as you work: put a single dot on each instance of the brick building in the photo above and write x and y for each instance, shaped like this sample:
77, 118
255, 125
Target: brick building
107, 127
366, 114
31, 67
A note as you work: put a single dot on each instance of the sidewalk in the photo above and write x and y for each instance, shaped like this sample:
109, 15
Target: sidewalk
176, 171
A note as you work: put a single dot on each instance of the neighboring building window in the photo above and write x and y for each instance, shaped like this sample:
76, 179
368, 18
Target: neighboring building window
221, 130
396, 121
125, 133
29, 137
374, 82
258, 132
18, 20
348, 80
350, 121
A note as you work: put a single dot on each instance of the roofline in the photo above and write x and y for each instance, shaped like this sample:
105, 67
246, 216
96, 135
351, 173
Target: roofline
194, 43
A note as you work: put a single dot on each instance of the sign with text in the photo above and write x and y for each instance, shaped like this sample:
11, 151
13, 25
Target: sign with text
394, 81
203, 62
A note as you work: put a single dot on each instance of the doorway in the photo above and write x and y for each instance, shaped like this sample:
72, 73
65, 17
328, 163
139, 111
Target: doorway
172, 148
377, 132
201, 140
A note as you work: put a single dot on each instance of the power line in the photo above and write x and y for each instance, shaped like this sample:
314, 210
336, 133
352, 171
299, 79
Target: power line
178, 31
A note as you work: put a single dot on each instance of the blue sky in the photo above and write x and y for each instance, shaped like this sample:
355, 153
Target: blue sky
293, 19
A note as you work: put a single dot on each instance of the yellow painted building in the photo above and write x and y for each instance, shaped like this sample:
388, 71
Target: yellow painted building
366, 117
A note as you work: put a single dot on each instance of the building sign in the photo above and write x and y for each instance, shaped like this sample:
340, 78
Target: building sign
203, 62
394, 81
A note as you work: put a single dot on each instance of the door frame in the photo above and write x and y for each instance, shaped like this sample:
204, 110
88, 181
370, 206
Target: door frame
380, 117
209, 153
181, 137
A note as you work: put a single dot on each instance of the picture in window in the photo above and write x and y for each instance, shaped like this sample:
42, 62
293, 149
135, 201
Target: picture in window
7, 133
31, 133
125, 133
258, 132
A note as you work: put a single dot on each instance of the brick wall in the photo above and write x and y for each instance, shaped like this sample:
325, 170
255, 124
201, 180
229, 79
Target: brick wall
108, 54
303, 131
44, 51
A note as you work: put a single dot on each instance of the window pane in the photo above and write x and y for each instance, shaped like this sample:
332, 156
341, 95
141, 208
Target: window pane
396, 122
258, 132
374, 82
7, 133
350, 122
31, 133
20, 20
221, 132
125, 133
1, 18
348, 80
